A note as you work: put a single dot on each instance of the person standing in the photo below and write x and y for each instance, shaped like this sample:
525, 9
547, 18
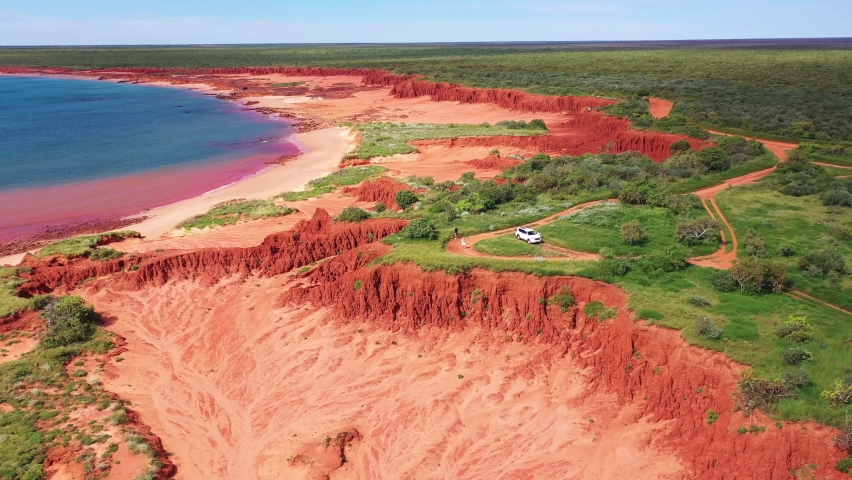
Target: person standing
456, 232
464, 244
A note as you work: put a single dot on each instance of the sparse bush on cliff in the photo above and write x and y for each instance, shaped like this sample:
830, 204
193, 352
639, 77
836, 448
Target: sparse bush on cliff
706, 327
598, 311
353, 214
420, 229
840, 394
712, 416
232, 211
563, 297
105, 254
331, 182
405, 198
69, 320
84, 245
753, 392
380, 207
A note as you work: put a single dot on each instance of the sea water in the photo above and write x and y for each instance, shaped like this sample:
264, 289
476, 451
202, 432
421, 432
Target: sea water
79, 150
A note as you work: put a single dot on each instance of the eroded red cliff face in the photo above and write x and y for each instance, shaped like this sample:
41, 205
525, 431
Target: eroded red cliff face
310, 241
382, 190
590, 132
675, 382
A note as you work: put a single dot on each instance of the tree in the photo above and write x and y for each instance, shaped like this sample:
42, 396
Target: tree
405, 198
695, 231
632, 232
755, 276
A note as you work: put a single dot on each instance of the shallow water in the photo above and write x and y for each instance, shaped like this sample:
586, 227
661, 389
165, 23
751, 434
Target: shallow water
76, 150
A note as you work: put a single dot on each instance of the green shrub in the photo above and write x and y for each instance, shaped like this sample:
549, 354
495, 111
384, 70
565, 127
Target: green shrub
827, 260
420, 228
405, 199
786, 250
754, 244
841, 394
680, 146
105, 254
232, 211
597, 310
69, 320
796, 356
698, 302
706, 327
563, 297
796, 378
712, 416
723, 282
796, 329
380, 207
353, 214
632, 233
844, 464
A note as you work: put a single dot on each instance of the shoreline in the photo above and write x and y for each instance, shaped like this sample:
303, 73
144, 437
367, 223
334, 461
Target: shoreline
323, 148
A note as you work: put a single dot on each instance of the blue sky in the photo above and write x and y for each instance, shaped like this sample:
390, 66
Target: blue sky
94, 22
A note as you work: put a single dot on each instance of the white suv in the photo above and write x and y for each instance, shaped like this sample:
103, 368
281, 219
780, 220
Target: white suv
528, 235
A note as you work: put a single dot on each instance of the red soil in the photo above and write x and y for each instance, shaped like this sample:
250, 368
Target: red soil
382, 190
279, 253
404, 299
494, 162
660, 108
586, 132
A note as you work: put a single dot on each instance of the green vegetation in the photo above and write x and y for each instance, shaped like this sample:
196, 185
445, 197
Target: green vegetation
287, 84
333, 181
795, 93
353, 214
509, 246
598, 311
815, 234
232, 211
385, 139
600, 226
405, 198
9, 282
712, 416
86, 245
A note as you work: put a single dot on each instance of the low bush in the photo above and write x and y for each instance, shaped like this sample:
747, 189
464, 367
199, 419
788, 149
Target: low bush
598, 311
723, 281
105, 254
753, 392
380, 207
712, 416
698, 302
706, 327
826, 259
786, 250
405, 199
796, 356
632, 233
69, 320
563, 297
232, 211
754, 244
353, 214
795, 329
840, 394
420, 229
796, 378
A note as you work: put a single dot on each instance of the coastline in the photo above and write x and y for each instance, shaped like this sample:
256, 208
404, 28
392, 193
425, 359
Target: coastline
320, 151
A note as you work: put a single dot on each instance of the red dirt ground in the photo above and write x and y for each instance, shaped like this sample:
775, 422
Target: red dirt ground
660, 108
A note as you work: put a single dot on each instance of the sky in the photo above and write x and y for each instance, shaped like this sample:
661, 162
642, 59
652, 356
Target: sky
111, 22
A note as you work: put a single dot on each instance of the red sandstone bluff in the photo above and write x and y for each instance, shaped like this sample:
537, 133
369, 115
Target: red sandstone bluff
247, 368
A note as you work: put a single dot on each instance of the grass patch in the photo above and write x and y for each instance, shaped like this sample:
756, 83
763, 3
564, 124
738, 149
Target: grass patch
385, 139
84, 245
10, 302
509, 246
287, 84
598, 311
801, 222
598, 227
232, 211
333, 181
